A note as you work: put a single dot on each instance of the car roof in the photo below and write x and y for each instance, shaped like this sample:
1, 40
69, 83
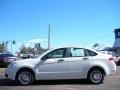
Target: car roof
73, 47
51, 49
68, 47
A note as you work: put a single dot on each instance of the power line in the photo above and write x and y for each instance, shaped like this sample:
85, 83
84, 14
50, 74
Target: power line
100, 37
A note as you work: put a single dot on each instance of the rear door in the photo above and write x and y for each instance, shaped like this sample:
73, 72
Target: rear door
78, 62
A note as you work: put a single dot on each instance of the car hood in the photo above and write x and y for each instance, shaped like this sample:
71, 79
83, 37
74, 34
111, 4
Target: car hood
28, 62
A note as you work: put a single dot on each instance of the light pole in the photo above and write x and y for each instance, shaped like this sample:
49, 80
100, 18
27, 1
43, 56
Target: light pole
49, 36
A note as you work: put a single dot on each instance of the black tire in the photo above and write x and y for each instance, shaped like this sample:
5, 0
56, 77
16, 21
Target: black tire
25, 77
95, 76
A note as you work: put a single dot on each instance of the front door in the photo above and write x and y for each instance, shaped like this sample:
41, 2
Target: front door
53, 65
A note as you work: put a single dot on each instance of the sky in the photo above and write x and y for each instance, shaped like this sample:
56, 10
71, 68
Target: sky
73, 22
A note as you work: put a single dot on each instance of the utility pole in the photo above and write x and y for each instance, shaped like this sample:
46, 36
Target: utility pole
3, 46
11, 47
12, 42
49, 36
6, 47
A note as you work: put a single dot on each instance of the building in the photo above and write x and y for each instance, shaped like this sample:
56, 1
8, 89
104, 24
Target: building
116, 45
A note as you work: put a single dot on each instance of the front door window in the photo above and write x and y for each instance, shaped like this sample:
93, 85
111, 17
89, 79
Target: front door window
58, 53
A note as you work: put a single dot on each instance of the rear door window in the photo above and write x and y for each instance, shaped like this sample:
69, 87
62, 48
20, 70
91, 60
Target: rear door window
75, 52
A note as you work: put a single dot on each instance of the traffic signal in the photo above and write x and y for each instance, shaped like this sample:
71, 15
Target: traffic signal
14, 42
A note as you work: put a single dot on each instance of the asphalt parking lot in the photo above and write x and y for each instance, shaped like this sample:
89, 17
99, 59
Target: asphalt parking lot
110, 83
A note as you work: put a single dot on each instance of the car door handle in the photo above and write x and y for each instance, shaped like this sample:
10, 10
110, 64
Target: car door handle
60, 60
85, 58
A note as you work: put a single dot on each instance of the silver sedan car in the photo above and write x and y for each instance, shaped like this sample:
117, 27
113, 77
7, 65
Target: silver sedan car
63, 63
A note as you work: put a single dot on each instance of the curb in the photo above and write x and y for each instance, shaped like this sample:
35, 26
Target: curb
1, 73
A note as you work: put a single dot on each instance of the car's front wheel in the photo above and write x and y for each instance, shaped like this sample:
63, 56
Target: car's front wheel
25, 77
96, 76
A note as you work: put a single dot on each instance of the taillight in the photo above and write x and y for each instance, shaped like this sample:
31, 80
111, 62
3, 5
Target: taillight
111, 58
15, 59
5, 59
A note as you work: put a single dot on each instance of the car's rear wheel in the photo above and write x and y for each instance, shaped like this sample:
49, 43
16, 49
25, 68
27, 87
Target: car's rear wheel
25, 77
96, 76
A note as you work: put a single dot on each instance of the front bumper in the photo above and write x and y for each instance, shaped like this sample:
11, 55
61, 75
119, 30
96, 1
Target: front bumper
10, 73
6, 75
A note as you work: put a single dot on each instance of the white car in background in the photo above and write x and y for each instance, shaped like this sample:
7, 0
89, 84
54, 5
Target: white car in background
63, 63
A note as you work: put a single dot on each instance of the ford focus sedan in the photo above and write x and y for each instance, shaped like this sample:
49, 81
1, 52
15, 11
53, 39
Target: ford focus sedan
63, 63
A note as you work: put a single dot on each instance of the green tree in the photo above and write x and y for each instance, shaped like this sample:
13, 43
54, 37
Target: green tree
1, 47
30, 50
23, 50
36, 50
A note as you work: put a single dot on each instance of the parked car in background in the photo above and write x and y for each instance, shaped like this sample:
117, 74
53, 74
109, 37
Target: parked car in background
6, 59
26, 56
63, 63
116, 57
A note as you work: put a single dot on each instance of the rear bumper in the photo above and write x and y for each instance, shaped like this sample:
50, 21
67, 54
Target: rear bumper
112, 72
113, 69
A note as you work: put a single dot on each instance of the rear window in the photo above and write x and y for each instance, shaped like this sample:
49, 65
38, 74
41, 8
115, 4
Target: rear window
91, 53
6, 55
10, 55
